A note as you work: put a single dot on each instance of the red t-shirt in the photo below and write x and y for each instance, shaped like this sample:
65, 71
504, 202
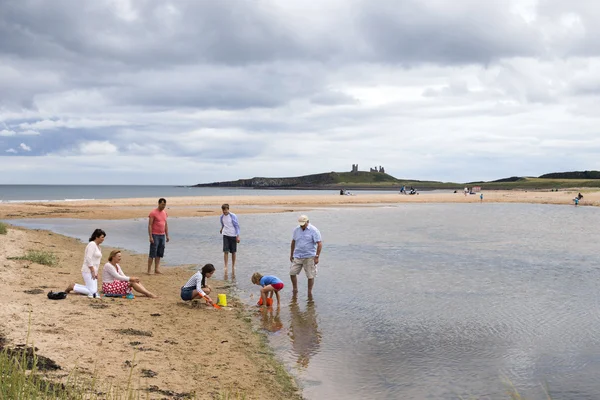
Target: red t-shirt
158, 224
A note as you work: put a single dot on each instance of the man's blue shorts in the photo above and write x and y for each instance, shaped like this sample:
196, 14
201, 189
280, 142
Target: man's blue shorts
157, 249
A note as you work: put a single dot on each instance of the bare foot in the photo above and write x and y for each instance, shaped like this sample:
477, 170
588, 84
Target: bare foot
157, 272
70, 288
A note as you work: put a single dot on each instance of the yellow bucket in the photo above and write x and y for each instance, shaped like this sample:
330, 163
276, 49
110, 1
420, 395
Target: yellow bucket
222, 300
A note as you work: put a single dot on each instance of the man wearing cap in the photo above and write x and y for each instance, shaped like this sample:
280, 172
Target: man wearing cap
305, 251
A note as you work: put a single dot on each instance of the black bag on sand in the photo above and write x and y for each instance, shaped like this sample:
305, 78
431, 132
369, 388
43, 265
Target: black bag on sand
57, 295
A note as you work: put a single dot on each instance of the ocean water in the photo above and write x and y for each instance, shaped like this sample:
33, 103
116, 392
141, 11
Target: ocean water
416, 301
33, 193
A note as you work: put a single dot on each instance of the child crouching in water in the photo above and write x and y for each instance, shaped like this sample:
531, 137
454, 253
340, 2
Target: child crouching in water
196, 287
270, 284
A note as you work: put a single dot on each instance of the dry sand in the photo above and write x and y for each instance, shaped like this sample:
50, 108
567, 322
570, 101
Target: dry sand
191, 348
210, 205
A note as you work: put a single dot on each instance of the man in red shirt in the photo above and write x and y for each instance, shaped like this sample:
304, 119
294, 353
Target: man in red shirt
158, 233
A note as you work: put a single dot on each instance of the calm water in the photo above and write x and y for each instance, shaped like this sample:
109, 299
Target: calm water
418, 301
23, 193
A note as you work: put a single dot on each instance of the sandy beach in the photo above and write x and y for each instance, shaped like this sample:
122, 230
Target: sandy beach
174, 348
210, 205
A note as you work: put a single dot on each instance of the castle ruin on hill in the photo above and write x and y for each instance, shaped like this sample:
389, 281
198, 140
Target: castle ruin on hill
381, 169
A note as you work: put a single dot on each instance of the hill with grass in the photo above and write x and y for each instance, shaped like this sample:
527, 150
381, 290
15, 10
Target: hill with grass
364, 180
331, 180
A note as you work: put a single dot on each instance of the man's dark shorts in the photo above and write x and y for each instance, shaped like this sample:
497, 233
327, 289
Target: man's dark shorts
157, 249
229, 244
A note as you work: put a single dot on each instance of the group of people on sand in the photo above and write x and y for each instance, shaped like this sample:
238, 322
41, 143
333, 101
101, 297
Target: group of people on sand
305, 251
114, 280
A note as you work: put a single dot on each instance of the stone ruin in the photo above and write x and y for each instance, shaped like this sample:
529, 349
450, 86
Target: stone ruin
376, 169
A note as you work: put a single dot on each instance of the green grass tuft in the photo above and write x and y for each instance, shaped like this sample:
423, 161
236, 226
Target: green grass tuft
3, 228
38, 257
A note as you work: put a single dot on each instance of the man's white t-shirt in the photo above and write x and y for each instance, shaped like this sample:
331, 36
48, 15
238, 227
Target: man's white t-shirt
228, 228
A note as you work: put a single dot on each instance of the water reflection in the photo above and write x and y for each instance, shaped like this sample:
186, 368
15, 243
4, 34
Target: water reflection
270, 319
226, 274
304, 331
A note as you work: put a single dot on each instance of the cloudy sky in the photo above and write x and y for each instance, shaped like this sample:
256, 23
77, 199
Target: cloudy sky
183, 92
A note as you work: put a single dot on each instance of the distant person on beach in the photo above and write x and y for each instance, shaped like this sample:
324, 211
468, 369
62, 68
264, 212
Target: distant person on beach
158, 233
115, 282
480, 196
341, 192
230, 229
89, 269
196, 287
580, 196
466, 191
270, 284
304, 253
402, 189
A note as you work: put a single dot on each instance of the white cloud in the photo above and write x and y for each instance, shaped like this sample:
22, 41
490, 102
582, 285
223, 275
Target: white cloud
97, 148
11, 151
29, 132
23, 146
6, 132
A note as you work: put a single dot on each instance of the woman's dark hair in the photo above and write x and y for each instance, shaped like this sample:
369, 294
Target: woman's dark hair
207, 269
96, 234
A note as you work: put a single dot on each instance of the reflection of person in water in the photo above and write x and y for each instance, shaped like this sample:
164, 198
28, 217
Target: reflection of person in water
304, 331
270, 321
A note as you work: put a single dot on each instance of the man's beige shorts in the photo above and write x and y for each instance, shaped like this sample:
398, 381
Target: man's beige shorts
307, 263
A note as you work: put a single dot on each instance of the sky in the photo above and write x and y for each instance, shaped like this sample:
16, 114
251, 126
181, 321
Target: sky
185, 92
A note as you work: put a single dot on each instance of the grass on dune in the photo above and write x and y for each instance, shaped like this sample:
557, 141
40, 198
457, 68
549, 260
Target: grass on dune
38, 257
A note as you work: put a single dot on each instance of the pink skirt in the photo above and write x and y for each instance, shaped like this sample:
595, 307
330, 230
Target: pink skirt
116, 287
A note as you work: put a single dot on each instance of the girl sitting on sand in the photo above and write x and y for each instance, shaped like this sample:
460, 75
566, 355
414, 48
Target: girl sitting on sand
196, 287
270, 284
115, 282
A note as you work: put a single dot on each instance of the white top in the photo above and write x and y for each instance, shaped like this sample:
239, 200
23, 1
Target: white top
195, 282
92, 257
111, 274
228, 228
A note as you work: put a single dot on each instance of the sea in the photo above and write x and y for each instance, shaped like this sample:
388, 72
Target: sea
414, 301
49, 193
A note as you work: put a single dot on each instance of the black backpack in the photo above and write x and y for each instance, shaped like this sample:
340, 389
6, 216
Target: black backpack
57, 295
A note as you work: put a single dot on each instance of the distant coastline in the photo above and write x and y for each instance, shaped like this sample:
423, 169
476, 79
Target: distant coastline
376, 180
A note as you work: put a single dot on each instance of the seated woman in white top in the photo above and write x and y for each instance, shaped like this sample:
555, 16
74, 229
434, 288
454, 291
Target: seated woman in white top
114, 281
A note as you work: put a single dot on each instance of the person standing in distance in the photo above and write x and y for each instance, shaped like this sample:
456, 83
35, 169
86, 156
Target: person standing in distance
158, 233
230, 229
304, 253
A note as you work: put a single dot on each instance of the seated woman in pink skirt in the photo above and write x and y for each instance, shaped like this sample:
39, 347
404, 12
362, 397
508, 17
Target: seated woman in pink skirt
114, 281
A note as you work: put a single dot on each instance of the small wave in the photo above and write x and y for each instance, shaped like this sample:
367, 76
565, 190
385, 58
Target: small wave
29, 201
43, 200
79, 199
